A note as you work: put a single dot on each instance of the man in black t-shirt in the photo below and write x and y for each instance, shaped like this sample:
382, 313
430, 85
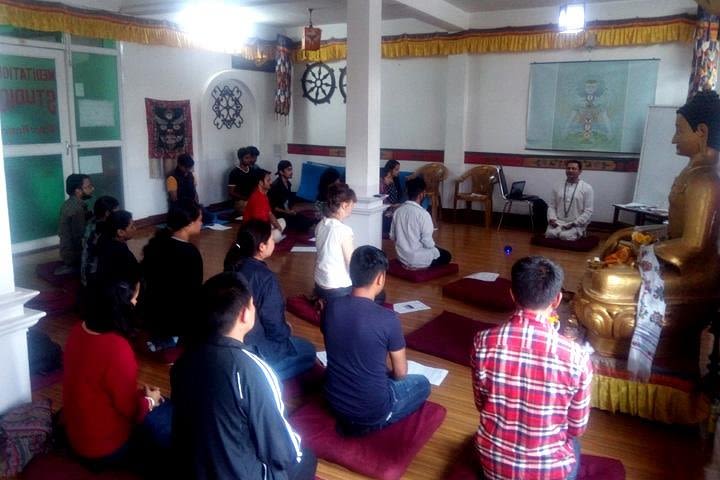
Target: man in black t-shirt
241, 181
282, 198
359, 335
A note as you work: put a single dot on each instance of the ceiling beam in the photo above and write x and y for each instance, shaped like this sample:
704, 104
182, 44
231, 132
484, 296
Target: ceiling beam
439, 12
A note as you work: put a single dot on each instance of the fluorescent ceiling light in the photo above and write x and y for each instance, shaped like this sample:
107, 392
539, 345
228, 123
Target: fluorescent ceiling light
217, 25
572, 18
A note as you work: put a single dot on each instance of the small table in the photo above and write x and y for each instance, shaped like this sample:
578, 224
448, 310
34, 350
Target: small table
643, 213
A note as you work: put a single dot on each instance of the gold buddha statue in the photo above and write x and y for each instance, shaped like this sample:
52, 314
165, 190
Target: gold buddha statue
688, 253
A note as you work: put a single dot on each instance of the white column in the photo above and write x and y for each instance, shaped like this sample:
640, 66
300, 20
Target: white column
456, 100
14, 318
363, 118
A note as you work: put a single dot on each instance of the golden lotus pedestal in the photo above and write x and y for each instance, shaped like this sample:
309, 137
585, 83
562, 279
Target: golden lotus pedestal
672, 396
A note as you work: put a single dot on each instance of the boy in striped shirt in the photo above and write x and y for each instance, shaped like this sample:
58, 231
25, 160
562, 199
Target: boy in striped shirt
531, 385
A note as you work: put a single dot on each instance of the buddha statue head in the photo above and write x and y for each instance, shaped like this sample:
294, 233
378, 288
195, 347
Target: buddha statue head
697, 126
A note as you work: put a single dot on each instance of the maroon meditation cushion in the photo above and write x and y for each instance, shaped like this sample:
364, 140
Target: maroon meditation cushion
397, 269
303, 308
377, 454
59, 467
53, 302
584, 244
449, 336
490, 295
592, 467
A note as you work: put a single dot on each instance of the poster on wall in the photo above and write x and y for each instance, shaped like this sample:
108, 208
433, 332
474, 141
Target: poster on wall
597, 106
28, 100
169, 133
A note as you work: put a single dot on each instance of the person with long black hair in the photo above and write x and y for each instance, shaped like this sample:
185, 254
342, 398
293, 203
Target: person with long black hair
115, 261
102, 404
271, 335
173, 271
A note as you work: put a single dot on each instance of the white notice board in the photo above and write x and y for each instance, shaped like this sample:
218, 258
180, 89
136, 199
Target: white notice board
659, 164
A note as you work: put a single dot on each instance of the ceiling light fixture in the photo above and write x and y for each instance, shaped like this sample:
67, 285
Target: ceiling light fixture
572, 18
216, 25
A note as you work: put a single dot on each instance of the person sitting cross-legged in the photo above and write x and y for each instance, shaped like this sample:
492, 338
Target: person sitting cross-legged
531, 384
229, 420
359, 336
288, 355
258, 205
571, 205
108, 418
412, 231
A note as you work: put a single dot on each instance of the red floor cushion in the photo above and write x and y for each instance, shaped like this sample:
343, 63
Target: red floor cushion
53, 302
584, 244
303, 308
490, 295
423, 274
592, 467
384, 454
60, 467
449, 336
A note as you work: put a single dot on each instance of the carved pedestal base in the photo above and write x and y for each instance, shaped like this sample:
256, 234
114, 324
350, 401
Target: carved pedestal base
610, 329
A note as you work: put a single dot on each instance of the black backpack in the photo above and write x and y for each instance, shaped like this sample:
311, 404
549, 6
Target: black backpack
45, 356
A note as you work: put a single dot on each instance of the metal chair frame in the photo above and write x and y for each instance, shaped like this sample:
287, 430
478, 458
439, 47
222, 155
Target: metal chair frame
509, 201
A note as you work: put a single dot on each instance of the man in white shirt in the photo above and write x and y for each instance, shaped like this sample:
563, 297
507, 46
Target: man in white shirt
412, 230
571, 205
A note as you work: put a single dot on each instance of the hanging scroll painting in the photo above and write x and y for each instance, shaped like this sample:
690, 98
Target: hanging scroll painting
169, 128
590, 106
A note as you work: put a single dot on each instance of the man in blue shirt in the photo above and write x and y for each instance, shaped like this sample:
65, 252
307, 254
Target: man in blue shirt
359, 335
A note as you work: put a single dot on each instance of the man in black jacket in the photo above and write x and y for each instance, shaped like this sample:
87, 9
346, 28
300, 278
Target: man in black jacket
229, 419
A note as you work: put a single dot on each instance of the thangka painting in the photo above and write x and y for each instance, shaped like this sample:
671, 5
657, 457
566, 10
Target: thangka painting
169, 133
590, 106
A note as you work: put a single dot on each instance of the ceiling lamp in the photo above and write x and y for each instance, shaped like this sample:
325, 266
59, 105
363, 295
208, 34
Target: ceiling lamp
311, 36
572, 18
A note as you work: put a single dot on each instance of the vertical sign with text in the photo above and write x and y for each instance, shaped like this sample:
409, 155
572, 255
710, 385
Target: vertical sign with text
28, 100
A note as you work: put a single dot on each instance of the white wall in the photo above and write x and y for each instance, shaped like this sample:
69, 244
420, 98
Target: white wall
183, 74
417, 111
497, 112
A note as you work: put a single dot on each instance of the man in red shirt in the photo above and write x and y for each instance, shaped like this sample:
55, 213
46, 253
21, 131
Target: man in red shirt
258, 205
532, 385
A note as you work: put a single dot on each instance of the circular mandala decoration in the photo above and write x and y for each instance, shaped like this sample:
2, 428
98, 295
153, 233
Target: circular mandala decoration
343, 83
318, 83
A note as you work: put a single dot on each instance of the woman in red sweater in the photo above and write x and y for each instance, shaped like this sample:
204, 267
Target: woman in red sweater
101, 400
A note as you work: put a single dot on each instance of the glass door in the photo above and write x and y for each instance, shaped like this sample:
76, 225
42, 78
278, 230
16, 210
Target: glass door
36, 139
95, 122
60, 114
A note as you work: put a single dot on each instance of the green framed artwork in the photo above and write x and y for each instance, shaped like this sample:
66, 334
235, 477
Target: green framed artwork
590, 106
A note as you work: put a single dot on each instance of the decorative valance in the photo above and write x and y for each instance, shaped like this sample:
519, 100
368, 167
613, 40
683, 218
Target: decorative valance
611, 33
56, 17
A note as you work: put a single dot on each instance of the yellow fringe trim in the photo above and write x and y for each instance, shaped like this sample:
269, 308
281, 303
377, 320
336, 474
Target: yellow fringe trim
653, 402
55, 17
618, 33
